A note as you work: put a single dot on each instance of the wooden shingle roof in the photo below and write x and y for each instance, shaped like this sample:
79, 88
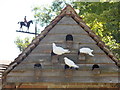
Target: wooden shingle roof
67, 11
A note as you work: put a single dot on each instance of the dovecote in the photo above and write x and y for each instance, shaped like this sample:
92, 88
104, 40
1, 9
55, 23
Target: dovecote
69, 31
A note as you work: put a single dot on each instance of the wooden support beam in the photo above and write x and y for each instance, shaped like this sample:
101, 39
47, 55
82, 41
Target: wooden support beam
2, 69
64, 79
4, 65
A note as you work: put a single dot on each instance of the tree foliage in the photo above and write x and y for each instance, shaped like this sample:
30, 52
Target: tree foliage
22, 43
45, 14
101, 17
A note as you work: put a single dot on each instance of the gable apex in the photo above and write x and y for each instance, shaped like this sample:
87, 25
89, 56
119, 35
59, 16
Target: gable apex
68, 10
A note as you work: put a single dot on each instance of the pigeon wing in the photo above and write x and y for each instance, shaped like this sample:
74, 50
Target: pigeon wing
59, 50
85, 50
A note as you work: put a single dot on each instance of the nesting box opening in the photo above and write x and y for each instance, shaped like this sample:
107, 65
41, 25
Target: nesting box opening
37, 65
69, 41
95, 66
96, 69
37, 70
69, 37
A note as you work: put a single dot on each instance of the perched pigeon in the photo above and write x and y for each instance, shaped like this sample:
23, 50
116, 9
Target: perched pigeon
59, 50
70, 63
86, 51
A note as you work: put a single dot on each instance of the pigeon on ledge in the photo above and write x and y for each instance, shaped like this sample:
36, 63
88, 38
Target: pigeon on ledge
86, 51
70, 63
59, 50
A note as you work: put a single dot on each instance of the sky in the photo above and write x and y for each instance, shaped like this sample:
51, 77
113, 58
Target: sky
11, 12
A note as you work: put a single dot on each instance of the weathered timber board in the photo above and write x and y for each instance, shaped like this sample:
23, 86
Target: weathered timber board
82, 67
59, 73
67, 20
68, 29
66, 85
37, 57
98, 58
57, 38
83, 79
47, 48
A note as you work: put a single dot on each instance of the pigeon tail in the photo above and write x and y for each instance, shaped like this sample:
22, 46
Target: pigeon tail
91, 54
91, 50
67, 51
76, 66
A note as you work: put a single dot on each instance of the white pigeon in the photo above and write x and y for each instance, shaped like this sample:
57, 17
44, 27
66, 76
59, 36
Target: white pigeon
59, 50
70, 63
86, 51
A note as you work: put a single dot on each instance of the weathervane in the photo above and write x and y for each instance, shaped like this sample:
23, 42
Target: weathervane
26, 24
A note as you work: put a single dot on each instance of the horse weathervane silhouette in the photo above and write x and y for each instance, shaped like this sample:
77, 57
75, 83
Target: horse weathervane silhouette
26, 24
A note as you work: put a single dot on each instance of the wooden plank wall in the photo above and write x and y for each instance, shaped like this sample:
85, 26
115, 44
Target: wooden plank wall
67, 86
25, 71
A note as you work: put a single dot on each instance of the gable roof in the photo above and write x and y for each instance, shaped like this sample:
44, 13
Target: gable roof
67, 11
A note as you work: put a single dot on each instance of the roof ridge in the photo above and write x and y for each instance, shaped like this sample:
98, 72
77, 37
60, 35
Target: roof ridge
67, 11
